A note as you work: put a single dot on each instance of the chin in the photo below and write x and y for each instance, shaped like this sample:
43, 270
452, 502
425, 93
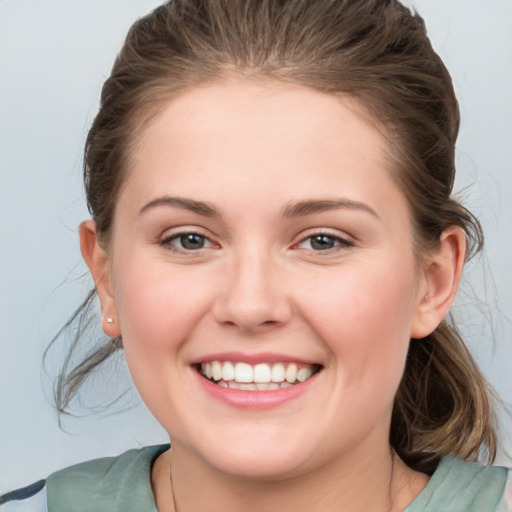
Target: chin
264, 457
262, 468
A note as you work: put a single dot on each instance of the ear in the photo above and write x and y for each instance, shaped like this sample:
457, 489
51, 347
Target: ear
442, 274
99, 265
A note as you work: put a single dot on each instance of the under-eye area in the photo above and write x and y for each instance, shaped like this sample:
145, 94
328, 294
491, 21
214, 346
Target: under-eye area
256, 377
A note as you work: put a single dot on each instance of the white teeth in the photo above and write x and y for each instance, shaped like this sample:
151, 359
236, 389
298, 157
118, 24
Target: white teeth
261, 376
270, 386
239, 385
304, 373
262, 386
228, 371
216, 370
243, 372
278, 373
291, 373
262, 373
248, 387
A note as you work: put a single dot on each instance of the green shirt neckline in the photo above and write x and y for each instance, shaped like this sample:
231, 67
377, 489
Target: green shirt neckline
123, 483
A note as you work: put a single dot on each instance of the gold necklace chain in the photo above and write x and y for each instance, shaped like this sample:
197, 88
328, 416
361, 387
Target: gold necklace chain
172, 487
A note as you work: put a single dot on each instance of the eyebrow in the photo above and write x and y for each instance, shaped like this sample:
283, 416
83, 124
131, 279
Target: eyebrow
298, 209
303, 208
199, 207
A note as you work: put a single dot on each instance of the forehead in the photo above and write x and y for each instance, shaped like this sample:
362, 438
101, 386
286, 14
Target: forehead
251, 140
245, 105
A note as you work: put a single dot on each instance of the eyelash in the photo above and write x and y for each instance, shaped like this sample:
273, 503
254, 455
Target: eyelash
339, 242
321, 236
168, 242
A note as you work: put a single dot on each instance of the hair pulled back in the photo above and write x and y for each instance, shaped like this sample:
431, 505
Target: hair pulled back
375, 51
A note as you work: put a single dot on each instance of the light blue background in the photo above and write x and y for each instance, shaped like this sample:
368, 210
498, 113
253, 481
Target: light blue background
54, 56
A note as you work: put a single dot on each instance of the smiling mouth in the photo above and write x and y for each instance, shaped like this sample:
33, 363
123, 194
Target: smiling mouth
257, 377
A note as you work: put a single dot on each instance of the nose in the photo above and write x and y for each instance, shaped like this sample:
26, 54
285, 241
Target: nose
252, 295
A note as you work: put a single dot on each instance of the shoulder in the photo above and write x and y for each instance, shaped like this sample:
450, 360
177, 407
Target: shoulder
506, 501
99, 470
459, 485
110, 483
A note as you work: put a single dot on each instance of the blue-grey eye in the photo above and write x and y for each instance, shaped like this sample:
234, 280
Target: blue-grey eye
323, 242
191, 241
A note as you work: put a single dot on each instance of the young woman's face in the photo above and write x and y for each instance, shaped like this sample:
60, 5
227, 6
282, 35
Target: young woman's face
260, 237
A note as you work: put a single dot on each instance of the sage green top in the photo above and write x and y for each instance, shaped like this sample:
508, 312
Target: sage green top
122, 484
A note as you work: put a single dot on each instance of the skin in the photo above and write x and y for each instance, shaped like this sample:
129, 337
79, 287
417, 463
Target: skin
250, 150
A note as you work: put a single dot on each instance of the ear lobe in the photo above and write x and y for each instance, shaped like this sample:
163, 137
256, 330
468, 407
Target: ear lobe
442, 272
97, 260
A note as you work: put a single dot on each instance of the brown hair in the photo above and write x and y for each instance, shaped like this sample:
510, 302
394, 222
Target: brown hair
375, 51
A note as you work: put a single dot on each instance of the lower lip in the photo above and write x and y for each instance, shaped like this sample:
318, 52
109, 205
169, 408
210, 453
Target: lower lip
255, 399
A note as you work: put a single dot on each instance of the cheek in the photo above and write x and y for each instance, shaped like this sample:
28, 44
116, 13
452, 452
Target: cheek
158, 311
158, 307
364, 315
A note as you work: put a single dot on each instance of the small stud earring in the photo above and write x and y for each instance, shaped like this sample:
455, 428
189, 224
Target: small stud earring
110, 320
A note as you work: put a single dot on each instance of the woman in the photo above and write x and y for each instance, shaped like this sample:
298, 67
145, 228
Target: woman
275, 248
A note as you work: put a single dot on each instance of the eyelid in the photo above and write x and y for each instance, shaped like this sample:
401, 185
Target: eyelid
344, 240
165, 239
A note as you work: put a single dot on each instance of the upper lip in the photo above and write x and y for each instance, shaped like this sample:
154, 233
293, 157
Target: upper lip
263, 357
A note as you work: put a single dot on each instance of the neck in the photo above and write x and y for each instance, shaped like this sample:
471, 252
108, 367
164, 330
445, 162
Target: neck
380, 483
